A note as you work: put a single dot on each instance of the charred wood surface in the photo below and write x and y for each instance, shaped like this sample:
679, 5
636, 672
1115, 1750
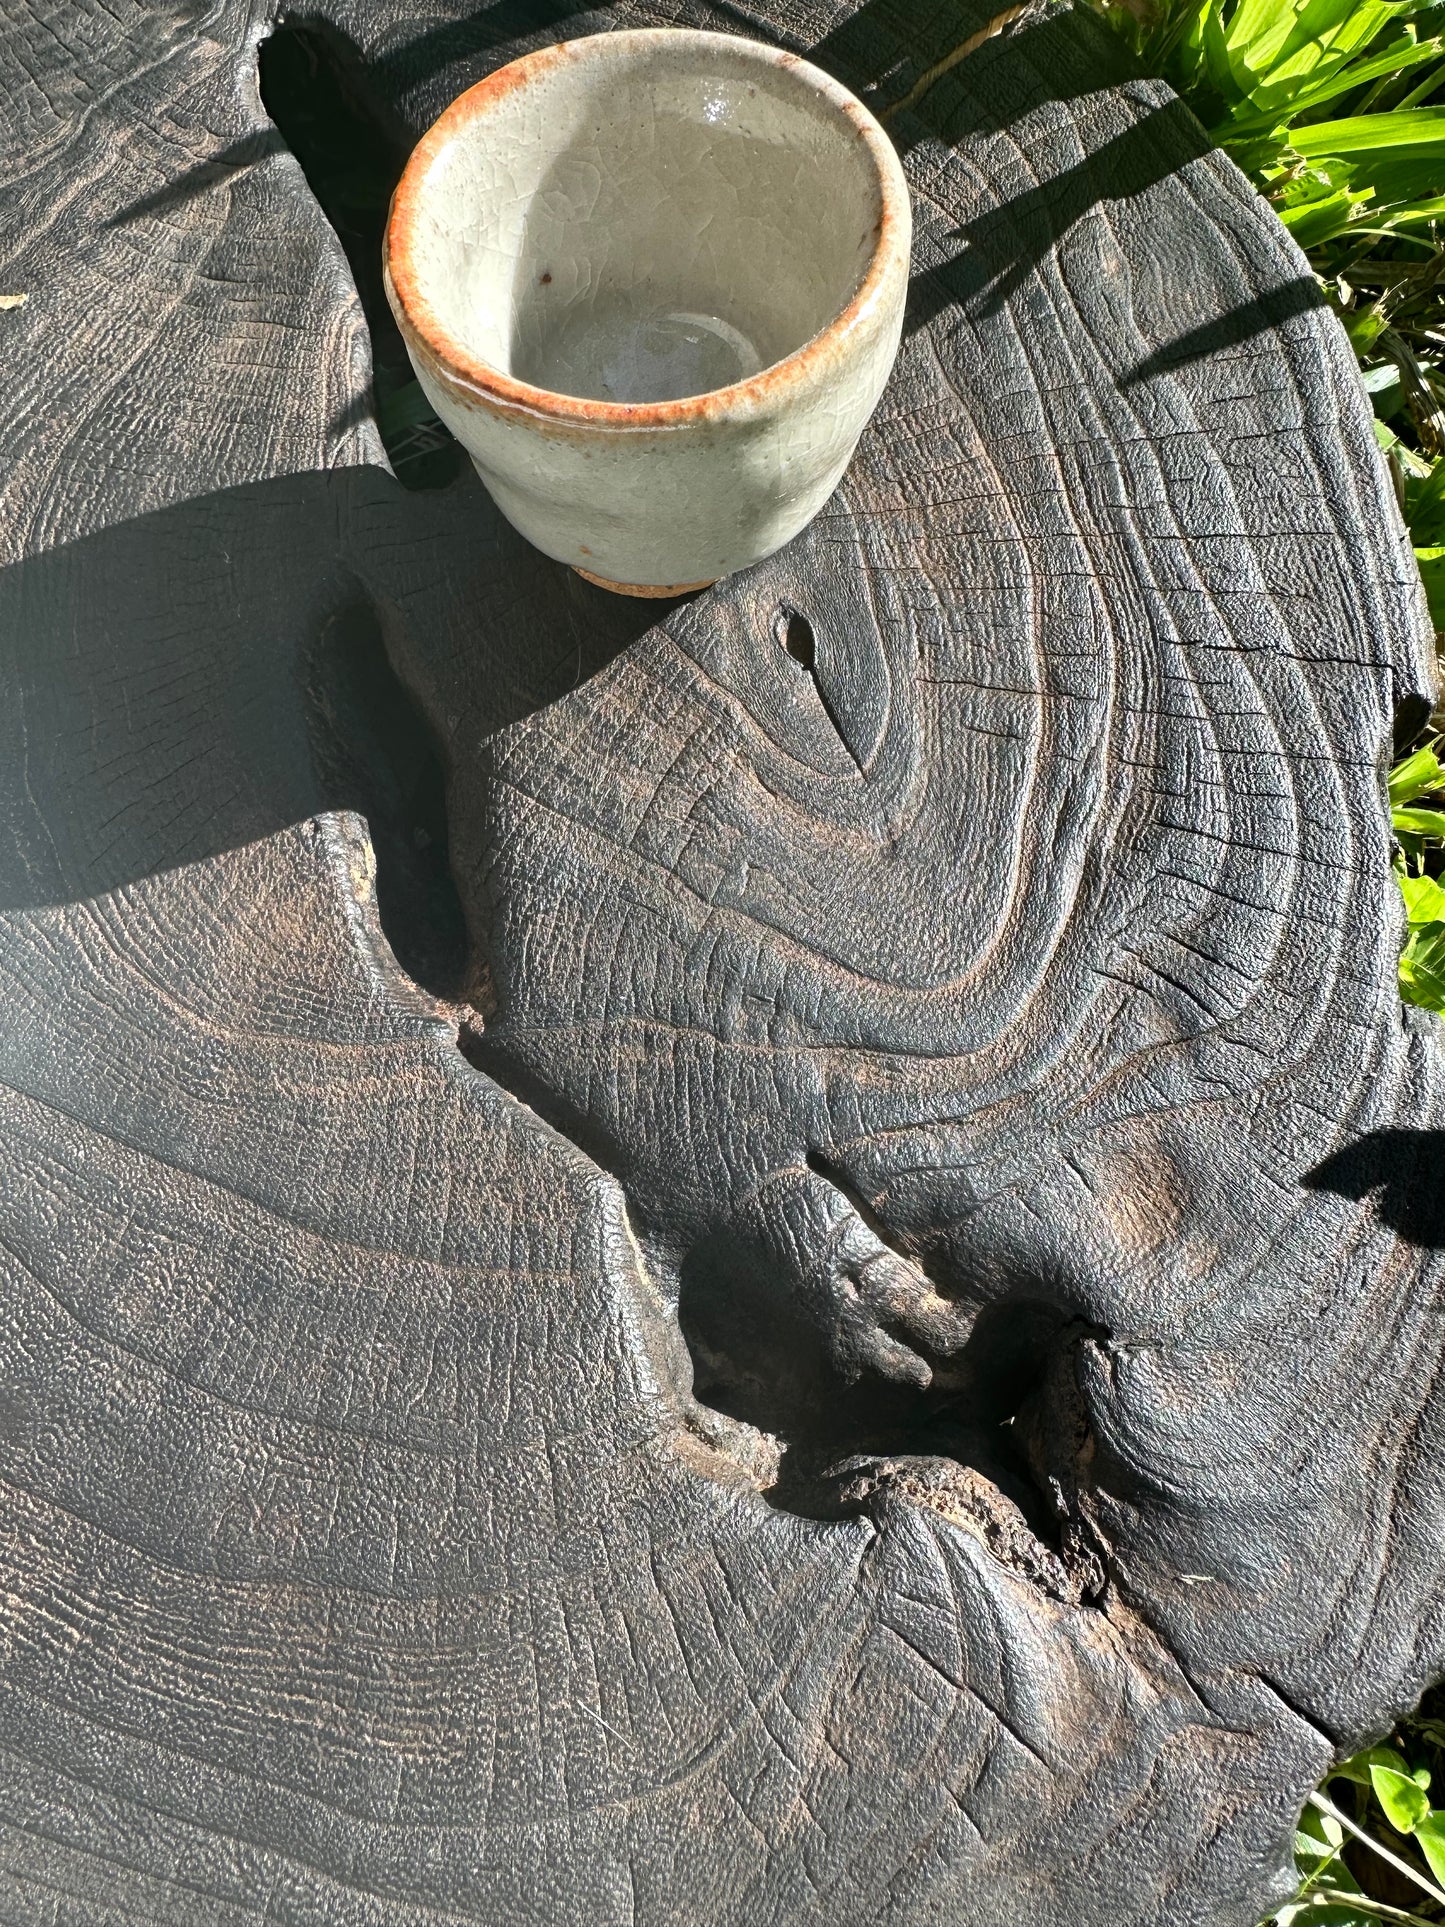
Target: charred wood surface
768, 1260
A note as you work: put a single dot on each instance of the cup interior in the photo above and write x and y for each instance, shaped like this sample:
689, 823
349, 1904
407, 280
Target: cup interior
640, 217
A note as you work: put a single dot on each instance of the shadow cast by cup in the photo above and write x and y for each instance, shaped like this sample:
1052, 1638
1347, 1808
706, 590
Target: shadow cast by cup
211, 673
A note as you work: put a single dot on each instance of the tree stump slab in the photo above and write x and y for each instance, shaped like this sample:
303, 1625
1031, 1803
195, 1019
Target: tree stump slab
769, 1259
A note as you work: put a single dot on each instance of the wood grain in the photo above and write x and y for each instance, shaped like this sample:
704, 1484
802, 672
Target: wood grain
970, 1059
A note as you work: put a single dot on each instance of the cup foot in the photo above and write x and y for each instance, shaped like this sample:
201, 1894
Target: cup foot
644, 588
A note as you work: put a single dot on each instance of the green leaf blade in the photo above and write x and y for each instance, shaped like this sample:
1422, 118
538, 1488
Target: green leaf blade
1405, 1803
1430, 1838
1431, 563
1414, 775
1316, 222
1424, 901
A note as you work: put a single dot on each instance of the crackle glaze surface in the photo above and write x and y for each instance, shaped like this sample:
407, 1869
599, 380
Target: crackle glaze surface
654, 281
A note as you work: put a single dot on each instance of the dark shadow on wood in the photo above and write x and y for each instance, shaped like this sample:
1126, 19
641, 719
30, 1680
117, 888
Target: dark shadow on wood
374, 753
1253, 318
203, 677
206, 174
209, 674
335, 124
410, 64
1403, 1174
886, 50
1001, 249
352, 149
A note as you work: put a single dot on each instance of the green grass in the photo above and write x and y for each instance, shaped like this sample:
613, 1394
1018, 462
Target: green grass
1330, 107
1417, 812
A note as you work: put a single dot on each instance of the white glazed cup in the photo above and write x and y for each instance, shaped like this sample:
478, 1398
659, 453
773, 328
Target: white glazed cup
654, 282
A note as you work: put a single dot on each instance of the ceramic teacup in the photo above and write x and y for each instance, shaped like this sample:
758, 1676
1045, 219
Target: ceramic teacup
654, 282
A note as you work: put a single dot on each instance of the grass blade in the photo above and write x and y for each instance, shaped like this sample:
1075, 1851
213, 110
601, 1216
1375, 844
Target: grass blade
1396, 59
